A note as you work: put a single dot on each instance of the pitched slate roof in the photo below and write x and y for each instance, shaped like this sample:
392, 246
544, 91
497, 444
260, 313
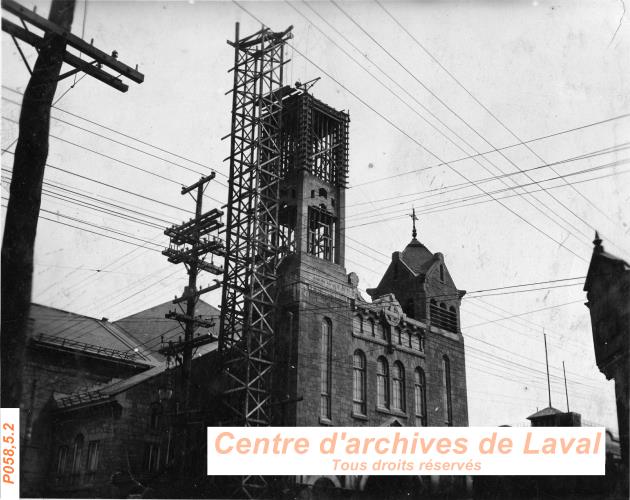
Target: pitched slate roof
68, 331
417, 257
105, 392
150, 325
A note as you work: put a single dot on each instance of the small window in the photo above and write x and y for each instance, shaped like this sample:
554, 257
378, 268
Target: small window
380, 331
358, 325
332, 202
372, 327
406, 338
415, 341
323, 193
312, 193
382, 382
442, 273
397, 336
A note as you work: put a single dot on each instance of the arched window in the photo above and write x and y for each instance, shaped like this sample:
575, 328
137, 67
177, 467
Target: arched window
358, 383
452, 318
446, 383
382, 382
442, 273
325, 365
420, 396
62, 460
398, 386
77, 452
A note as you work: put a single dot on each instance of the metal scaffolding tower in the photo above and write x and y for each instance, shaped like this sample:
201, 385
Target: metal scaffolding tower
252, 237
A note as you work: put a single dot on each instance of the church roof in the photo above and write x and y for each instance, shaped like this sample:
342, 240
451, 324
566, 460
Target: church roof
545, 412
150, 325
600, 256
58, 329
416, 256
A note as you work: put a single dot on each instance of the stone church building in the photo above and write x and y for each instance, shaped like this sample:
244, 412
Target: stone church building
341, 359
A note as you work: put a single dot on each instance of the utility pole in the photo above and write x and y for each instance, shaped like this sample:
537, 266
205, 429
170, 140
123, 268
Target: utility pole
566, 391
547, 363
189, 244
30, 158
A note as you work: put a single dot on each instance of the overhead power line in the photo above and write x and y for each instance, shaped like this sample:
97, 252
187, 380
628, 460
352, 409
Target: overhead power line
485, 108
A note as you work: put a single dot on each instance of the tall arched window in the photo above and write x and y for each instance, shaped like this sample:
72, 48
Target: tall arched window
382, 383
77, 452
325, 368
398, 386
446, 382
358, 383
420, 396
62, 460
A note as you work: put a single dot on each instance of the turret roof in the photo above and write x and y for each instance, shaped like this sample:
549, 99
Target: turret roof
416, 256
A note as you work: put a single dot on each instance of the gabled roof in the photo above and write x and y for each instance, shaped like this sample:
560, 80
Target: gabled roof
417, 257
150, 325
58, 329
105, 392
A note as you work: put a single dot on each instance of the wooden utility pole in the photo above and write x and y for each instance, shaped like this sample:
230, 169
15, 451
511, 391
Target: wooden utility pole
190, 243
30, 158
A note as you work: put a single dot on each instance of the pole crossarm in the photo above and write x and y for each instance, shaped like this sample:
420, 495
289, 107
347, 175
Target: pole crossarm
80, 64
198, 293
175, 348
72, 40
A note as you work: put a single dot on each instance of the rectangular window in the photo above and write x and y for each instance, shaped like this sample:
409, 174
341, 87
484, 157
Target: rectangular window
321, 233
415, 341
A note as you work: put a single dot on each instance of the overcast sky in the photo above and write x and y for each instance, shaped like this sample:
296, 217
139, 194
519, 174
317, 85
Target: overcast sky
541, 68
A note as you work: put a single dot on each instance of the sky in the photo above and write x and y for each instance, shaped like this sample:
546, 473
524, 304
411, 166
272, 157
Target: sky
425, 83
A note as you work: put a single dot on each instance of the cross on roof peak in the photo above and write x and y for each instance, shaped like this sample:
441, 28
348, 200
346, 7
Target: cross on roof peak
414, 233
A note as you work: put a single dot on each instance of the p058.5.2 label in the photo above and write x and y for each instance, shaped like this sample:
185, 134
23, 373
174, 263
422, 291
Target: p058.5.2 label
10, 452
